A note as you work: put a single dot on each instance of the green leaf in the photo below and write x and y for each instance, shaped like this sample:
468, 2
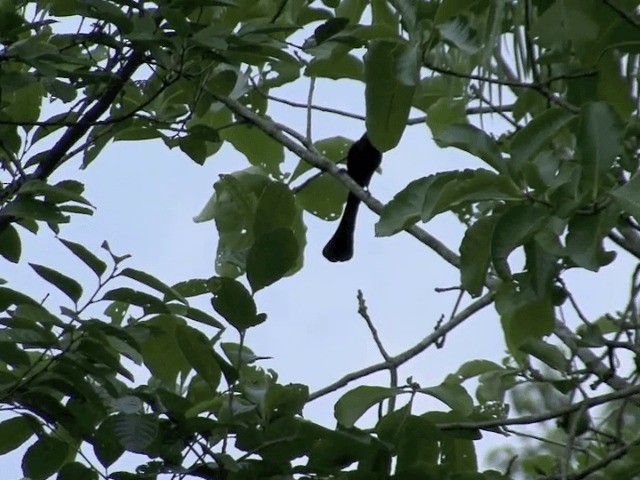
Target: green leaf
25, 207
599, 140
9, 297
198, 351
613, 86
232, 300
336, 67
453, 395
474, 368
585, 239
391, 76
427, 197
547, 353
405, 208
66, 285
153, 282
445, 113
523, 315
10, 246
628, 196
473, 140
460, 33
538, 134
469, 186
259, 148
351, 9
440, 89
89, 259
106, 446
334, 148
353, 404
323, 197
44, 458
271, 257
160, 350
417, 446
135, 297
514, 228
77, 471
202, 317
12, 355
135, 432
475, 254
192, 288
276, 209
54, 193
14, 432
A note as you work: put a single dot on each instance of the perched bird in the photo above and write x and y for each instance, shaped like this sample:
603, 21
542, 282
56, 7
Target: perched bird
362, 160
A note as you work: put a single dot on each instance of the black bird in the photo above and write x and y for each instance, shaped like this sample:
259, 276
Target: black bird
362, 160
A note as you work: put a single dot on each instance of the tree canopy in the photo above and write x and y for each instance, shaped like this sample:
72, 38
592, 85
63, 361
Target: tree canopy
542, 94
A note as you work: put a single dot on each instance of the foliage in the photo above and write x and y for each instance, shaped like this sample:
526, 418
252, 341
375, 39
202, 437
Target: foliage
557, 178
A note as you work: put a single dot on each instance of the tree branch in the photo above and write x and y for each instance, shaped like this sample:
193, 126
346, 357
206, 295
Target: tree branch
73, 134
313, 157
410, 353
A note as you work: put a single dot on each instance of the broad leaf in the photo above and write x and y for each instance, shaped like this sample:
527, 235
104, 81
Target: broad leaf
514, 229
391, 76
66, 285
475, 254
271, 257
353, 404
198, 351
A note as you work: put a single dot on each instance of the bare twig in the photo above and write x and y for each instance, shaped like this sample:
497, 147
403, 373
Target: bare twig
410, 353
393, 370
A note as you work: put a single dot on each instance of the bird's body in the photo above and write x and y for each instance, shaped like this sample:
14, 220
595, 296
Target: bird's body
362, 160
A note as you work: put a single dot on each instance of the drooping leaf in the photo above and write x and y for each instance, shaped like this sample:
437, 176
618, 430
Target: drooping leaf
14, 432
473, 140
232, 300
31, 208
391, 76
89, 259
135, 432
44, 457
353, 404
524, 315
276, 209
198, 351
599, 141
517, 225
271, 257
259, 148
628, 196
75, 471
537, 134
547, 353
475, 254
135, 297
151, 281
66, 285
10, 245
585, 238
453, 395
160, 350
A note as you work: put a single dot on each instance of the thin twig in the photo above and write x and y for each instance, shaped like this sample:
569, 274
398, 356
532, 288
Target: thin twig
312, 87
410, 353
393, 370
